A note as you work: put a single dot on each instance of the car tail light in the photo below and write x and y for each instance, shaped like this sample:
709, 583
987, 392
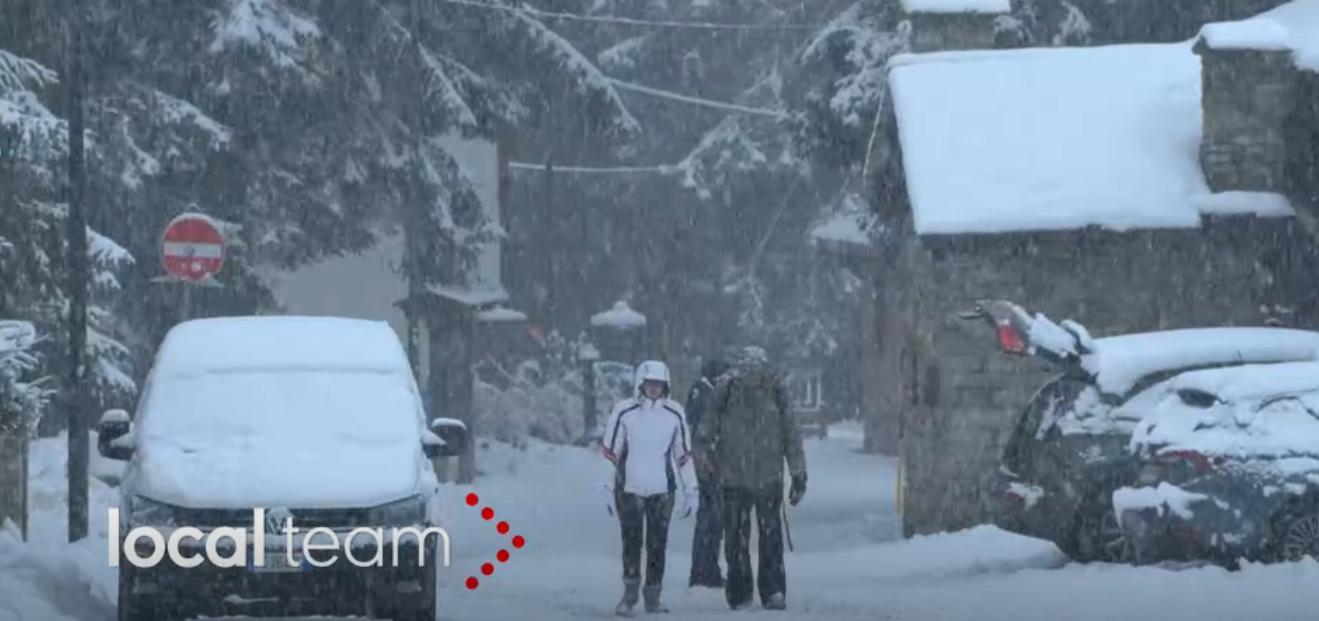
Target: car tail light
1009, 337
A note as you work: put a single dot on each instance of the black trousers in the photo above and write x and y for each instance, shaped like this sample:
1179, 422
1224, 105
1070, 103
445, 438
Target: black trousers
644, 518
771, 578
709, 534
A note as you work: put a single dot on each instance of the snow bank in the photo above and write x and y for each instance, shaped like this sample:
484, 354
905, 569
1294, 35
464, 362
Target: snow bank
956, 6
620, 316
1115, 146
1164, 498
1252, 34
1120, 361
235, 343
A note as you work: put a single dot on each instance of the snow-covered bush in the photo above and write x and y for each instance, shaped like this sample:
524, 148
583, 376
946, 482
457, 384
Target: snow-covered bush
531, 405
542, 397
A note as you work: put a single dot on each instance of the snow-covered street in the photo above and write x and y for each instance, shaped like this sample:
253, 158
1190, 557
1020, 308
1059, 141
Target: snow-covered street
848, 564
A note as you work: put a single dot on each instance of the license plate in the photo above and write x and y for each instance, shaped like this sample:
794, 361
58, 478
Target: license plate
278, 561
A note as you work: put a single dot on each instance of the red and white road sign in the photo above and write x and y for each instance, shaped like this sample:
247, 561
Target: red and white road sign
193, 247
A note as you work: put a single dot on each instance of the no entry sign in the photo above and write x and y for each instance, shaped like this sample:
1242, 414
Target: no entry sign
192, 247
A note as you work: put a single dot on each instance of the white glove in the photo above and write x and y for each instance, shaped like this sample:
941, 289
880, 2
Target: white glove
691, 502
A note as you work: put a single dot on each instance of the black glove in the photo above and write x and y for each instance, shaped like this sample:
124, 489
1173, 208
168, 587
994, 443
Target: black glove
798, 489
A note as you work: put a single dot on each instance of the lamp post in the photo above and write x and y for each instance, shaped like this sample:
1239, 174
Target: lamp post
587, 356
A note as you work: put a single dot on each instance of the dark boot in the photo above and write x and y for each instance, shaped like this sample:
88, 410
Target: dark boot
631, 592
653, 599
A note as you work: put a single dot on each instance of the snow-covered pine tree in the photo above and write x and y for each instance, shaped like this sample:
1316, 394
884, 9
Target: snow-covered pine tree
33, 143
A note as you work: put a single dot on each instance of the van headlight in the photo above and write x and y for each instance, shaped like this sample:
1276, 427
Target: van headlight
407, 512
148, 512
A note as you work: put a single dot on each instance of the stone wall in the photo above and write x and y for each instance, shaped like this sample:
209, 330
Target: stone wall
1302, 130
961, 396
1248, 95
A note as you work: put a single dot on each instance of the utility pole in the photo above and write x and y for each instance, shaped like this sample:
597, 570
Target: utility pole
412, 209
75, 390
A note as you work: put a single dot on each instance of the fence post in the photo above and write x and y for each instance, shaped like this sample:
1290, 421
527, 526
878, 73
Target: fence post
13, 476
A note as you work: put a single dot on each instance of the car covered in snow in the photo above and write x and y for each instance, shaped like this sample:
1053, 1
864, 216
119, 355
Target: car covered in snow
318, 423
1230, 468
1069, 449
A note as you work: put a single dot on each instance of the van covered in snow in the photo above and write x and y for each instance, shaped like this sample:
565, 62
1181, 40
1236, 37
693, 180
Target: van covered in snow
251, 422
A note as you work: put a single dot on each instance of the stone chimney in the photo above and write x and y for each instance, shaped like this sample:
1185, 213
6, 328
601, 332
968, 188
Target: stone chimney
942, 25
1249, 89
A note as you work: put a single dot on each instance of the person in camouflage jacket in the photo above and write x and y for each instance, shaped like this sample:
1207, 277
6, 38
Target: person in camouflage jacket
750, 434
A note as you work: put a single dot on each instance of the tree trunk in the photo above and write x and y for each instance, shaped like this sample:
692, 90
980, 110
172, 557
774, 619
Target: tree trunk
75, 390
13, 478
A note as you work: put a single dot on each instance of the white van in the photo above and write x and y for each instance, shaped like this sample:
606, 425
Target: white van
251, 424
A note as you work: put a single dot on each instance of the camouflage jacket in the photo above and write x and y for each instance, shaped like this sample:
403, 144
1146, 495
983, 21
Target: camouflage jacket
750, 429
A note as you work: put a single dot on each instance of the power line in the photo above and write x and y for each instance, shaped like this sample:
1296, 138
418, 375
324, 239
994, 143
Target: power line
709, 103
628, 21
591, 170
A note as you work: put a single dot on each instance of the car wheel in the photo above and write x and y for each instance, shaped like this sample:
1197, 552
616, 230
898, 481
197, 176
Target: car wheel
1298, 534
1096, 536
1114, 547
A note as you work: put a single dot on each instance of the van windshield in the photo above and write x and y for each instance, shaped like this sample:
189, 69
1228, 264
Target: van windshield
309, 435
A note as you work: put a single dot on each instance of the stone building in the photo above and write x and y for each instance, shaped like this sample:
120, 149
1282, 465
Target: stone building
1132, 188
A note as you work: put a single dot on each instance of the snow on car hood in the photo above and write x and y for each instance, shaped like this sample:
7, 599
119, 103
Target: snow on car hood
1265, 414
1119, 362
303, 438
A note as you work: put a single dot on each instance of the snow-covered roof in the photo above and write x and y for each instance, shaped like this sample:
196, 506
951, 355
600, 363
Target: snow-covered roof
471, 296
956, 6
500, 314
1252, 34
620, 316
1264, 204
1050, 139
1294, 25
1119, 362
280, 343
1301, 19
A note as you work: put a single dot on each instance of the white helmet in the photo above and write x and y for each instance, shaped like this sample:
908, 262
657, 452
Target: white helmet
651, 370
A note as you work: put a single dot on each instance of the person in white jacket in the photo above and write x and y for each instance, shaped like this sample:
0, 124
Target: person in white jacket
647, 446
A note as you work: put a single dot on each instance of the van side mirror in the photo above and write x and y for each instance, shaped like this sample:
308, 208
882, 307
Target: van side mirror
447, 437
114, 435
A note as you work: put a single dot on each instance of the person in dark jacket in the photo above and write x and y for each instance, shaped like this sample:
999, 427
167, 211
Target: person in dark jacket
709, 528
752, 433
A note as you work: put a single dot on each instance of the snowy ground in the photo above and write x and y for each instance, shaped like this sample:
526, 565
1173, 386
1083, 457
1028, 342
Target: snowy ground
848, 563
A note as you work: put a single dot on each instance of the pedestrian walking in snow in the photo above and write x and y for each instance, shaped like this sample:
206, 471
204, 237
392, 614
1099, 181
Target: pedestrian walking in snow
648, 446
709, 528
752, 433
